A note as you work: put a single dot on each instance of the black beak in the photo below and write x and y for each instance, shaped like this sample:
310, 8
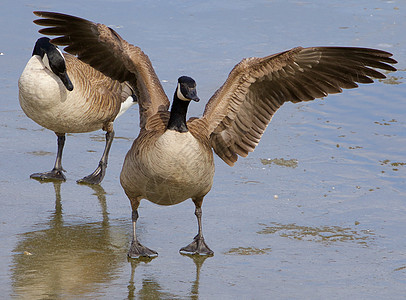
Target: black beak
193, 96
66, 81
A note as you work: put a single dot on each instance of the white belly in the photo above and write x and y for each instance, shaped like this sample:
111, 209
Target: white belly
176, 169
45, 100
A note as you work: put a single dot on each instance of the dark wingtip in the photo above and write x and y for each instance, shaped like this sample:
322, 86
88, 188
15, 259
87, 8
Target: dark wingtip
392, 68
39, 13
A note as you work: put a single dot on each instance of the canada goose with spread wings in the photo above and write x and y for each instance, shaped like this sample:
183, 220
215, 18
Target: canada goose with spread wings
172, 159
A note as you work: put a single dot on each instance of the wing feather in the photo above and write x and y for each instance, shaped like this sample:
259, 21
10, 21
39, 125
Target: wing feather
239, 112
106, 51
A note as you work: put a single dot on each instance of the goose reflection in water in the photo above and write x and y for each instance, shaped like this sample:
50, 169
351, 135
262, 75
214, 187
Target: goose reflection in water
67, 259
151, 289
80, 260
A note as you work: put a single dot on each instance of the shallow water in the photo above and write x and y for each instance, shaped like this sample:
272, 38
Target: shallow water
318, 211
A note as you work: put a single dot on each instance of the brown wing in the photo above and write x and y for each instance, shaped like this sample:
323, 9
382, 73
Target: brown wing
104, 49
103, 96
240, 111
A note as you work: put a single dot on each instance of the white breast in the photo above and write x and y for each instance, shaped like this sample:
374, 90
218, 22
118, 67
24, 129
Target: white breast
176, 169
39, 87
177, 146
44, 99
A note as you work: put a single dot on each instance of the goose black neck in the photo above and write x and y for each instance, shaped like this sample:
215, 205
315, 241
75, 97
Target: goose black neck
177, 119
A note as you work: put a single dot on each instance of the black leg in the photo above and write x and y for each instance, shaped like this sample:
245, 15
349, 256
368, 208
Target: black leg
56, 172
97, 176
198, 246
137, 249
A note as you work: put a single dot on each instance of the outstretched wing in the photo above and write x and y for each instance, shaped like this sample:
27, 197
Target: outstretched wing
106, 51
240, 110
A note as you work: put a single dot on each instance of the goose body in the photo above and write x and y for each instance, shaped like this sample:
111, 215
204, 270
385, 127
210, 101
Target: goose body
168, 168
90, 102
171, 160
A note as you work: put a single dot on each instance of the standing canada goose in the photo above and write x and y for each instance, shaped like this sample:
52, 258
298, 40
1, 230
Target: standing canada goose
65, 95
172, 160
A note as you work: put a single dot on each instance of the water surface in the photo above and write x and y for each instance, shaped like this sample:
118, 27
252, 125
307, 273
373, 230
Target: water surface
318, 211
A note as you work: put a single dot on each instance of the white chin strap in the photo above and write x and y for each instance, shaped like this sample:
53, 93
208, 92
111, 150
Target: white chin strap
180, 95
45, 60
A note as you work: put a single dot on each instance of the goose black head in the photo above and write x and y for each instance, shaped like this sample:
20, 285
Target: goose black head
53, 60
184, 93
186, 90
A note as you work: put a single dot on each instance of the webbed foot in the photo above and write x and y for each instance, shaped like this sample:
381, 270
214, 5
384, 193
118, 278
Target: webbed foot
138, 250
53, 175
198, 246
96, 177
